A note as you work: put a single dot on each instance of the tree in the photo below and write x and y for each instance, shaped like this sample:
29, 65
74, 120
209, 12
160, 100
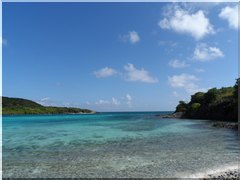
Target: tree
211, 95
235, 93
195, 107
197, 98
181, 107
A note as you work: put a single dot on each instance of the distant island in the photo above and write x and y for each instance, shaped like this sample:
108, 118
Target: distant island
215, 104
15, 106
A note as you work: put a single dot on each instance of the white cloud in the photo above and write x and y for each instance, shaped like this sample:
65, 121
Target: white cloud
181, 80
141, 75
131, 37
178, 64
183, 21
111, 102
231, 15
134, 37
185, 81
105, 72
102, 102
115, 101
203, 52
131, 74
129, 99
45, 99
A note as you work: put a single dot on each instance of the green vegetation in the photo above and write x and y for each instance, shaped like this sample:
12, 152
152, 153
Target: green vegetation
216, 104
23, 106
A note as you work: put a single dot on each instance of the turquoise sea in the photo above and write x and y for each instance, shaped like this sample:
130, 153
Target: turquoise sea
138, 144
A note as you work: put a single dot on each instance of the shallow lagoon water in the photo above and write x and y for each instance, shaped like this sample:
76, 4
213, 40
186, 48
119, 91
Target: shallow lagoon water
114, 145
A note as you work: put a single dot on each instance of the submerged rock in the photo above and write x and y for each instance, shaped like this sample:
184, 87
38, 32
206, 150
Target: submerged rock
228, 125
173, 115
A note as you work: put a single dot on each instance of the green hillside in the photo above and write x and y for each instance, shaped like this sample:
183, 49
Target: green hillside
19, 102
11, 106
215, 104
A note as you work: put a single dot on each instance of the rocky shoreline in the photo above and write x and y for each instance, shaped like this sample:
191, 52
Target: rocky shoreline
225, 172
217, 124
230, 174
229, 125
176, 115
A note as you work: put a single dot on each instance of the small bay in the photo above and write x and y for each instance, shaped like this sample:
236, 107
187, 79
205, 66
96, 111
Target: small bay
136, 144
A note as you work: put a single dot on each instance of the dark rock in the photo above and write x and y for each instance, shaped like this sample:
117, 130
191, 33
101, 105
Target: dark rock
173, 115
225, 125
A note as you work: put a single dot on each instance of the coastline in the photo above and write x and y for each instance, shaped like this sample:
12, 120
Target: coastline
52, 114
175, 115
85, 113
224, 172
228, 125
214, 123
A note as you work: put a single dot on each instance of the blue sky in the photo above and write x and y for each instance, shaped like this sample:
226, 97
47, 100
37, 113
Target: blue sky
117, 56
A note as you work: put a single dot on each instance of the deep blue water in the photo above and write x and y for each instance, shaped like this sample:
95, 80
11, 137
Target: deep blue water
136, 144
